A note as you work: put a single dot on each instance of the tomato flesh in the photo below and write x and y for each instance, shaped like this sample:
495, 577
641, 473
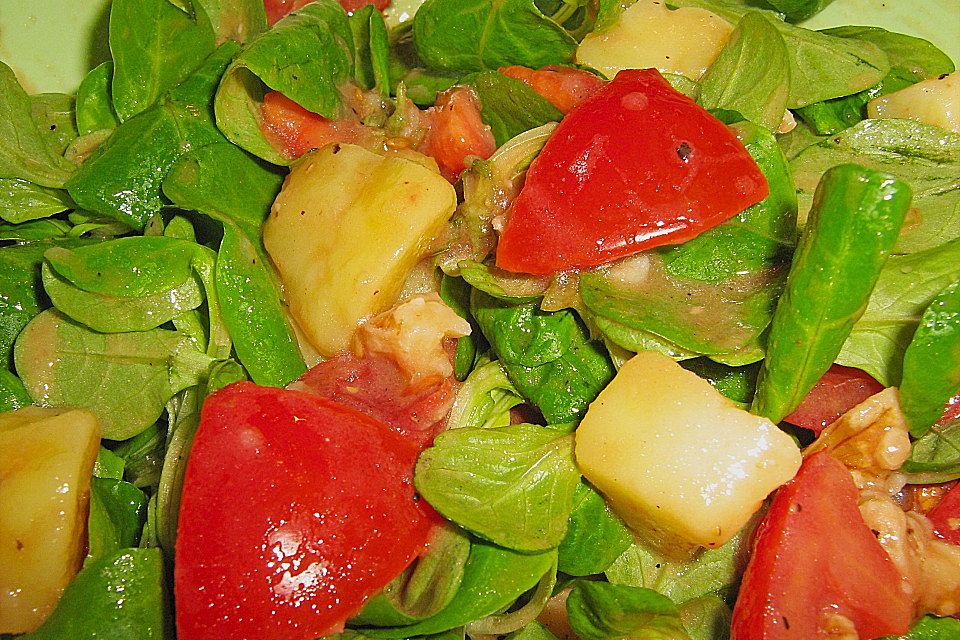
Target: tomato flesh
295, 510
813, 556
635, 166
376, 386
457, 132
945, 517
838, 390
563, 87
277, 9
293, 130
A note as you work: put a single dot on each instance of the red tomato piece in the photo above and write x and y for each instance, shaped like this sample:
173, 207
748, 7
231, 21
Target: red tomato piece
293, 130
376, 386
295, 510
635, 166
277, 9
839, 390
563, 87
946, 516
815, 556
457, 132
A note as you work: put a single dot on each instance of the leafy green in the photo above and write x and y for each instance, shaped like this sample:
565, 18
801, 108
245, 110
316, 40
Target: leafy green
931, 628
155, 45
94, 104
695, 316
735, 82
123, 180
121, 596
548, 356
712, 571
307, 56
424, 588
493, 578
472, 35
484, 400
936, 456
113, 314
797, 10
926, 157
21, 201
832, 116
511, 485
600, 610
822, 66
239, 20
913, 54
595, 536
853, 226
371, 50
906, 286
736, 383
118, 510
13, 395
509, 106
247, 285
125, 378
55, 119
931, 363
759, 239
24, 153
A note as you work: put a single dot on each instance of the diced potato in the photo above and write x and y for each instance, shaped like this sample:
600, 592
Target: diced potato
935, 101
46, 460
680, 463
347, 227
684, 41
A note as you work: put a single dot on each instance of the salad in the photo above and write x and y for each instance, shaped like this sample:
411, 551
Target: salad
524, 319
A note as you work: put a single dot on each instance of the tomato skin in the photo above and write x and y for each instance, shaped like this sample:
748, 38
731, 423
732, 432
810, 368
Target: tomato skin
945, 517
293, 130
563, 87
376, 386
839, 390
814, 553
277, 9
295, 509
637, 165
457, 131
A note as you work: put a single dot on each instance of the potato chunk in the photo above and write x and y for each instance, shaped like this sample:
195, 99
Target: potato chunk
680, 463
46, 460
648, 34
935, 101
347, 227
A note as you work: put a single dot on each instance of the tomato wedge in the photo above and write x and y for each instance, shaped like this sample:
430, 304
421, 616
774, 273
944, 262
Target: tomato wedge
815, 559
295, 510
563, 87
635, 166
376, 386
293, 130
945, 517
836, 392
457, 132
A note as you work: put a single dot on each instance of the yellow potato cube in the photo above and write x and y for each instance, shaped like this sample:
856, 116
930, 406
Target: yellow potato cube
46, 461
346, 229
935, 101
679, 462
684, 41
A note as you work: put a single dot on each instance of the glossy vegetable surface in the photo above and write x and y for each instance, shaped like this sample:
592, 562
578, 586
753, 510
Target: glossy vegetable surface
329, 515
815, 560
594, 194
